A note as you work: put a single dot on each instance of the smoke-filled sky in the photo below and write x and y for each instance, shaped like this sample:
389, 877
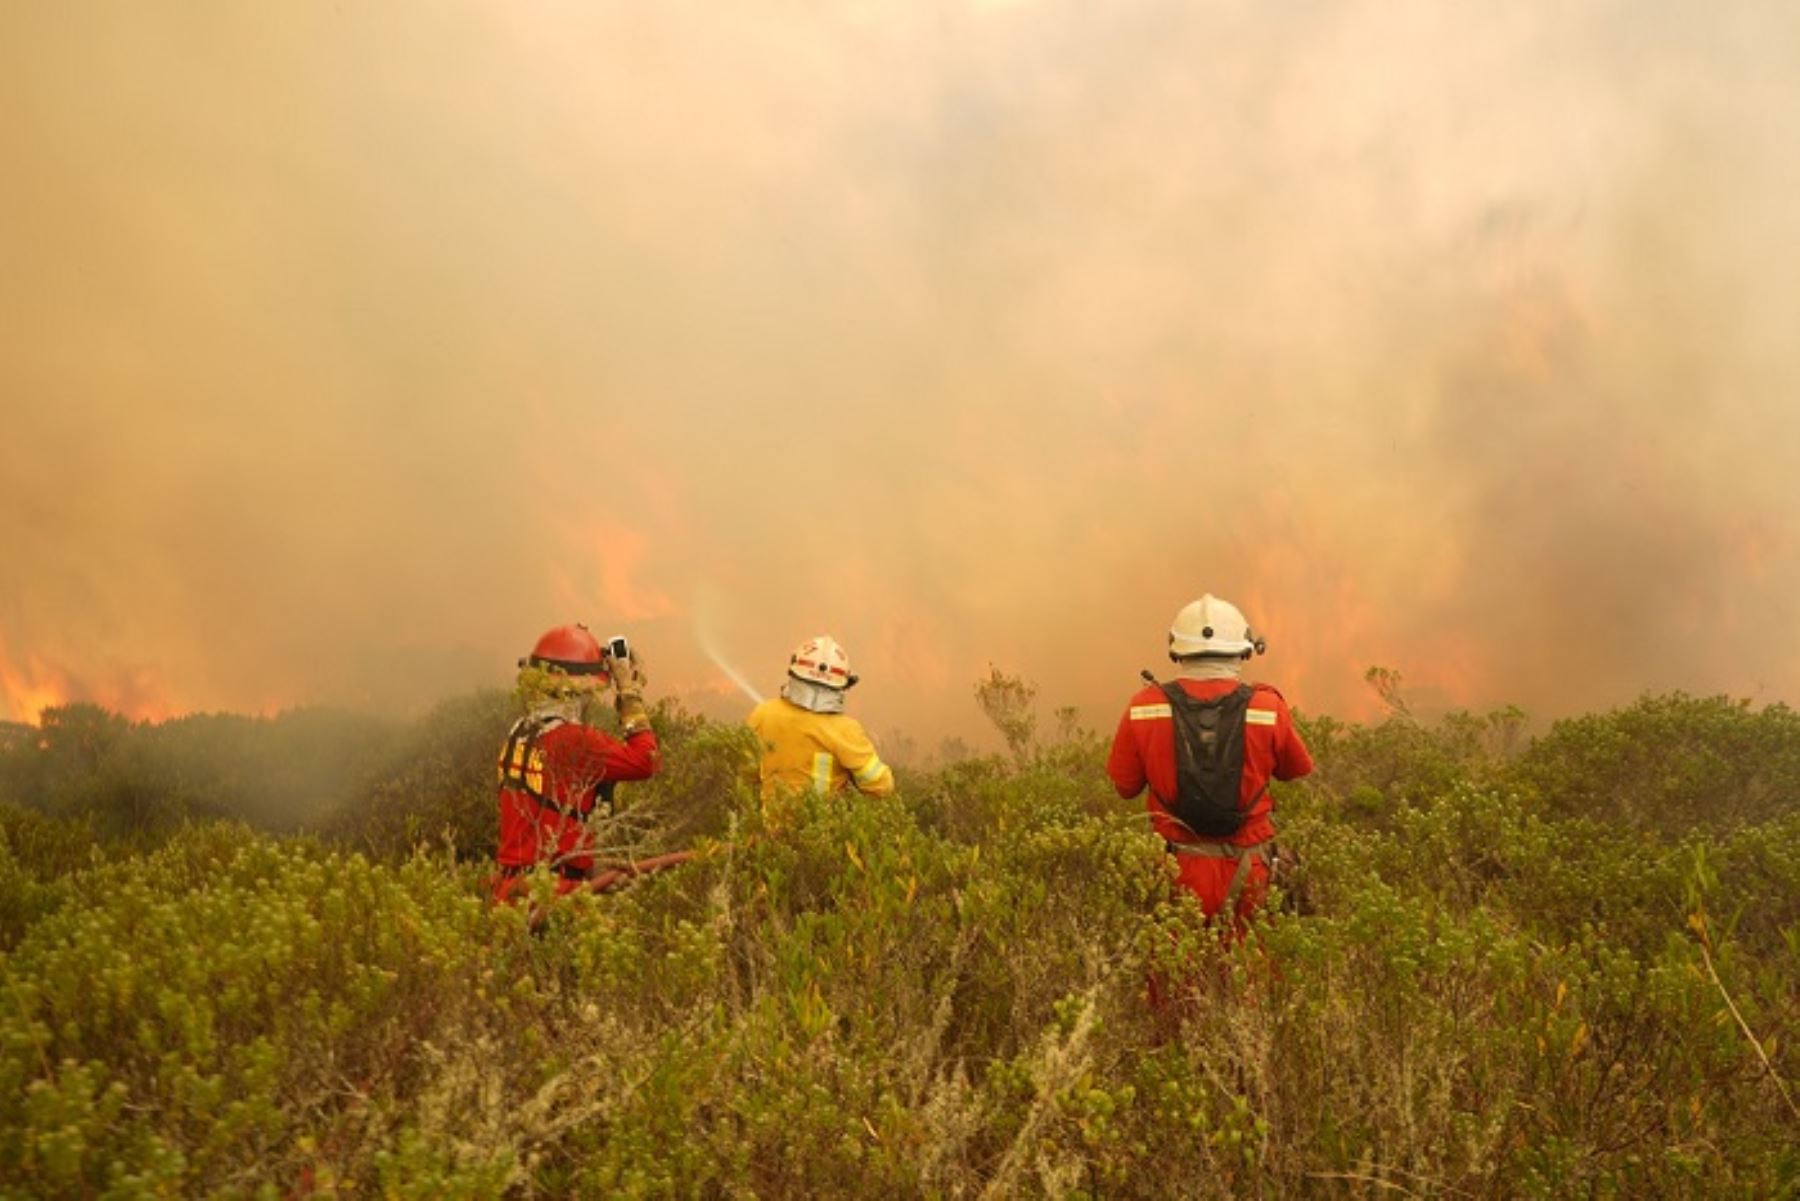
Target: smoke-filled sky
346, 346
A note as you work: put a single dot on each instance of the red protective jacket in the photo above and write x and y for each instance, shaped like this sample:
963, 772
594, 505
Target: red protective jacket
1143, 751
552, 774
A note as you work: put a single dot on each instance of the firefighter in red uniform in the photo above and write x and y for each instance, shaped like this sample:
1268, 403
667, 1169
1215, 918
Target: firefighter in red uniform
555, 771
1207, 745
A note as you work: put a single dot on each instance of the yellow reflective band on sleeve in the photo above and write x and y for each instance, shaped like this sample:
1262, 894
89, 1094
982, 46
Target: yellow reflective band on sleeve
1148, 712
821, 772
1259, 717
868, 771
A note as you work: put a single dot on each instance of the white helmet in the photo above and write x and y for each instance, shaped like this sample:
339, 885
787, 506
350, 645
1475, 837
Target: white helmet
822, 661
1214, 627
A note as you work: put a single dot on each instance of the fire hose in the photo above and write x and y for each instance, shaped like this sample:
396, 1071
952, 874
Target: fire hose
622, 874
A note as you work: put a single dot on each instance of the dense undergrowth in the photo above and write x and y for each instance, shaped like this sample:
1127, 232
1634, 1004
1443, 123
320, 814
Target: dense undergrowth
1499, 967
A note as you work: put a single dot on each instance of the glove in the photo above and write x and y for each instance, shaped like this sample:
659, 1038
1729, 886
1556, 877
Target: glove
633, 717
628, 699
628, 675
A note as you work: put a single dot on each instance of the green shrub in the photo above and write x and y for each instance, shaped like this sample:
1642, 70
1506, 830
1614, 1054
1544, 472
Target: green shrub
432, 786
38, 855
1668, 764
942, 993
139, 783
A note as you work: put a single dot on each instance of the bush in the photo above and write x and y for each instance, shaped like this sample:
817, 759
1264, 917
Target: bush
1668, 764
941, 993
38, 854
139, 783
432, 786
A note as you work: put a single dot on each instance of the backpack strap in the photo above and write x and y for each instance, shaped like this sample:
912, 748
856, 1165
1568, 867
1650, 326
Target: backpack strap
1255, 852
1239, 878
522, 763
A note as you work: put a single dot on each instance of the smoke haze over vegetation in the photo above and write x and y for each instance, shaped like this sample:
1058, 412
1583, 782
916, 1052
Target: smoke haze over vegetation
345, 347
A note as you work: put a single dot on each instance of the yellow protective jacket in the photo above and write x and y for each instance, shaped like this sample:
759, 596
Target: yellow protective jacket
803, 750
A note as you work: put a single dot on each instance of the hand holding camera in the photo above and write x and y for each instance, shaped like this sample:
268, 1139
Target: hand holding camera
626, 667
628, 685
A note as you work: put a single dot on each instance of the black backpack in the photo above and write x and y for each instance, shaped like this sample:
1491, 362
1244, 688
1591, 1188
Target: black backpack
1209, 759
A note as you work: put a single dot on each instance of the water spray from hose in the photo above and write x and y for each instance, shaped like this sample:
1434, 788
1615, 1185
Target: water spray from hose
704, 637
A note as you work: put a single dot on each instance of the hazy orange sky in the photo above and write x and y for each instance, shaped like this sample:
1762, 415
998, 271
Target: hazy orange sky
346, 346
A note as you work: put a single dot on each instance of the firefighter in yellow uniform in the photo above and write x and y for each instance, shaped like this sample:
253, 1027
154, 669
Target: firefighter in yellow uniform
808, 742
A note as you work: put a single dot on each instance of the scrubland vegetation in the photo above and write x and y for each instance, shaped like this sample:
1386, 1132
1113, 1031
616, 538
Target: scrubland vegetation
1497, 967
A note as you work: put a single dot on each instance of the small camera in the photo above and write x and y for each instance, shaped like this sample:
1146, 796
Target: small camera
617, 647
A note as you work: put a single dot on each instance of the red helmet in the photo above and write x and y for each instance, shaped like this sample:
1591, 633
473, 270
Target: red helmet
571, 650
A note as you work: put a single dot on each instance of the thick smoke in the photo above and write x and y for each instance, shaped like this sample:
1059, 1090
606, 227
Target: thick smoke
345, 347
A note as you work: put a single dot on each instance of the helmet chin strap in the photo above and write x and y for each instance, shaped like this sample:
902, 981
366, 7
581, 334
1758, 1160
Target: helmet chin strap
814, 698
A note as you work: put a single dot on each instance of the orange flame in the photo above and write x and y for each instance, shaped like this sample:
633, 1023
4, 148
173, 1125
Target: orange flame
26, 691
30, 684
607, 569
